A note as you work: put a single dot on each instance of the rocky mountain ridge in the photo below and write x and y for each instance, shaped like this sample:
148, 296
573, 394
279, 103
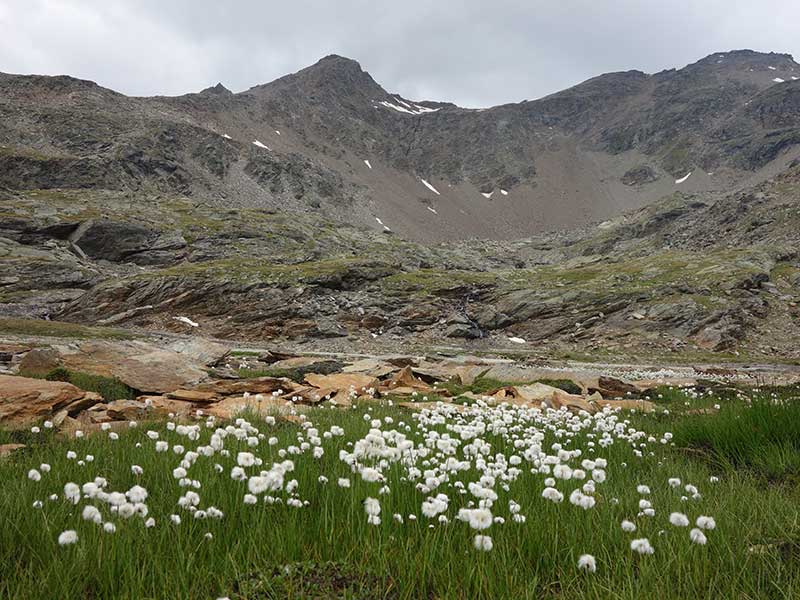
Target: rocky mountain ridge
331, 140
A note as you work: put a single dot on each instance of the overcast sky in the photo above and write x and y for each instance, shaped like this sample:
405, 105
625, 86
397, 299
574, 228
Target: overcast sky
474, 53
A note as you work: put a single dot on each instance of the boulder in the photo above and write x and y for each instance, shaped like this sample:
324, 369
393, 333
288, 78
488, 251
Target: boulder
610, 387
571, 402
195, 396
25, 401
342, 382
7, 449
143, 366
259, 385
235, 405
39, 361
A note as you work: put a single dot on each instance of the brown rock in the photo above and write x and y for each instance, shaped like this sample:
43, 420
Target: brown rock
572, 402
7, 449
342, 382
610, 387
140, 365
39, 361
234, 405
404, 378
24, 401
196, 396
260, 385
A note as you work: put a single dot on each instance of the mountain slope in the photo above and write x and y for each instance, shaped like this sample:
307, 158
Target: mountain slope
330, 140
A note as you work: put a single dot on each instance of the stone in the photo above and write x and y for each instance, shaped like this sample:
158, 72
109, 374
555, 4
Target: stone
25, 401
342, 382
143, 366
8, 449
571, 402
404, 378
230, 407
39, 361
196, 396
259, 385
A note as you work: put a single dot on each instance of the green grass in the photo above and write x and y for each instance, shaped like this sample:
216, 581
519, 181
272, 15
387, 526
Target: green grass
60, 329
763, 437
328, 550
108, 387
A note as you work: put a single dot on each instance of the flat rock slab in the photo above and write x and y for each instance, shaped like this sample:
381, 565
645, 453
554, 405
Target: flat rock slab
25, 401
143, 366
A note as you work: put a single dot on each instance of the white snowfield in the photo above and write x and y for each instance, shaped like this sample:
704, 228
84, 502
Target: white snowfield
409, 109
379, 221
260, 145
772, 68
684, 178
366, 162
504, 192
226, 136
778, 80
487, 195
430, 187
187, 320
278, 132
794, 78
516, 340
433, 210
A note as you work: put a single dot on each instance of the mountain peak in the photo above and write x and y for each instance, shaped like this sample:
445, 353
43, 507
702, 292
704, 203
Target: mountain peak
218, 89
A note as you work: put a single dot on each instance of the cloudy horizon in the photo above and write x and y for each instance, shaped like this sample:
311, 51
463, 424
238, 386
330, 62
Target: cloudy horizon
460, 52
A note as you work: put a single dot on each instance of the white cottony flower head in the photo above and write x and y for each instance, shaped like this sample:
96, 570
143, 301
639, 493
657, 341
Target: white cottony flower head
642, 546
67, 537
628, 526
698, 537
587, 562
483, 543
679, 519
704, 522
372, 506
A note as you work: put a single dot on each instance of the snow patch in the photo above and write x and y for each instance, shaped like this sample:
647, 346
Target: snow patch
366, 162
794, 78
504, 192
516, 340
278, 132
379, 221
430, 187
433, 210
226, 136
187, 320
260, 145
405, 107
772, 68
778, 80
684, 178
487, 195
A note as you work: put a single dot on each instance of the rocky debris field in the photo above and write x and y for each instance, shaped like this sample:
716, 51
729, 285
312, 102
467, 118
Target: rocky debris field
95, 385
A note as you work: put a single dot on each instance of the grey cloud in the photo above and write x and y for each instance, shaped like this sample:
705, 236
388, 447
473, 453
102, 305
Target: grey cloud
475, 53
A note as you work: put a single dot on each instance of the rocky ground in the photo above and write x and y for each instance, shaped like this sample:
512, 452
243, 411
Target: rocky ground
693, 277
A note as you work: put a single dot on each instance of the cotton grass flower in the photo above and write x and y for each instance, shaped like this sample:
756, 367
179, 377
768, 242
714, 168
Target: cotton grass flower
34, 475
704, 522
642, 546
698, 537
587, 562
679, 519
628, 526
68, 537
483, 543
